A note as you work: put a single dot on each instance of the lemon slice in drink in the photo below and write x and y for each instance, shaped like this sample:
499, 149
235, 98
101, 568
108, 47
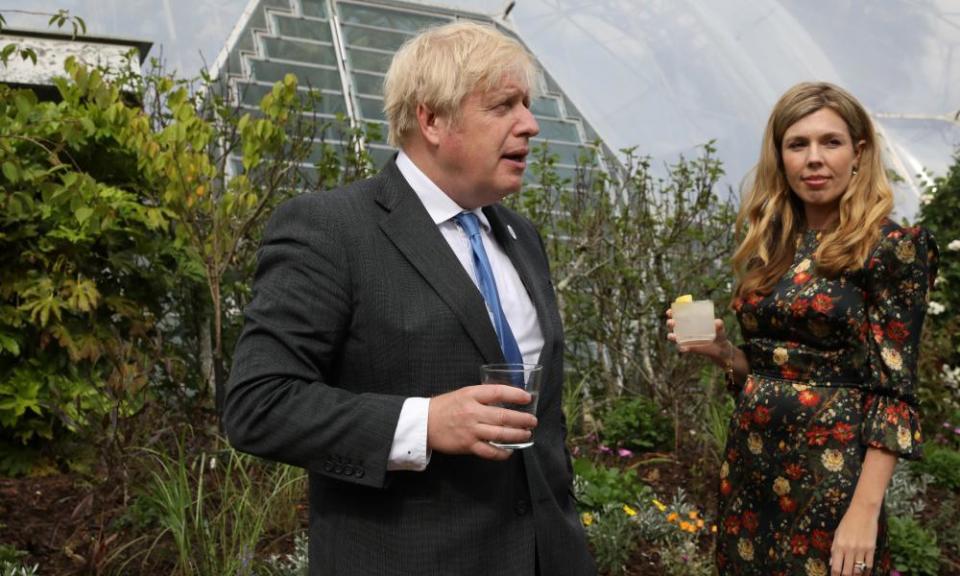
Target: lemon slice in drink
684, 299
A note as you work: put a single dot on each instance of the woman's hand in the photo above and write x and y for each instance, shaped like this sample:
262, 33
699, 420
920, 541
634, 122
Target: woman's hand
718, 350
855, 541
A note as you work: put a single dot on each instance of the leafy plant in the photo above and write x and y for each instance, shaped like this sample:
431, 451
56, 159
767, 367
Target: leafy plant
637, 424
215, 508
914, 548
942, 463
622, 242
612, 536
906, 493
8, 568
596, 485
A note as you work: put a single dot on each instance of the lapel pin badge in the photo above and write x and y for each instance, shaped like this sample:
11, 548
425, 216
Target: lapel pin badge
512, 233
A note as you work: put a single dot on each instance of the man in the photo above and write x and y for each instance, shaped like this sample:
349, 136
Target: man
361, 353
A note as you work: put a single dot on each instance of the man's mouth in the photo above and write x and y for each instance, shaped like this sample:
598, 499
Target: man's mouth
519, 156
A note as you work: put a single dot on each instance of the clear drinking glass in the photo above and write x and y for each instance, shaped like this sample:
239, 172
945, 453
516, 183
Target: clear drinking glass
693, 322
526, 376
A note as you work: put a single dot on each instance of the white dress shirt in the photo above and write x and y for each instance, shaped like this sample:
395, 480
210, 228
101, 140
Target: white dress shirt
409, 449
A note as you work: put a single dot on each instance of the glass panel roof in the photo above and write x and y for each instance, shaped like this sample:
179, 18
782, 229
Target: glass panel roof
303, 28
299, 50
664, 76
387, 18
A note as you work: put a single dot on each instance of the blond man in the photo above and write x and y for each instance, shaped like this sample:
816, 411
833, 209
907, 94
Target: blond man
371, 317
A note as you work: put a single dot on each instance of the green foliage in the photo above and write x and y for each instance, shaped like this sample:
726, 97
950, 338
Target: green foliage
622, 243
214, 509
906, 493
942, 464
8, 568
612, 536
86, 263
636, 424
939, 388
294, 564
684, 558
914, 548
597, 485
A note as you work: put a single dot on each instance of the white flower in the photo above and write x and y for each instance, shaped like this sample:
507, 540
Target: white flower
903, 437
832, 460
926, 198
935, 308
954, 245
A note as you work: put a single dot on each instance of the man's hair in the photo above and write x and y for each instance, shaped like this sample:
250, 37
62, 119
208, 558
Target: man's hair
442, 65
772, 213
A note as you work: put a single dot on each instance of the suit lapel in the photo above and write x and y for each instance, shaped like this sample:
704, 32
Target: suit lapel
415, 235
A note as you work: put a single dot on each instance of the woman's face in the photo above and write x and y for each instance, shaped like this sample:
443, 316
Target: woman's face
819, 157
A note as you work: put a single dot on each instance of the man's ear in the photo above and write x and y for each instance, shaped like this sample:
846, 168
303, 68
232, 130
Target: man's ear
430, 123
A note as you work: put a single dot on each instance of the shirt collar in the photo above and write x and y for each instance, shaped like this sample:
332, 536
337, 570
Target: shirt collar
440, 207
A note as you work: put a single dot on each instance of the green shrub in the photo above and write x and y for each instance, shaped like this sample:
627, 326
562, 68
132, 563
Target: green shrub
942, 463
914, 548
611, 532
597, 486
637, 424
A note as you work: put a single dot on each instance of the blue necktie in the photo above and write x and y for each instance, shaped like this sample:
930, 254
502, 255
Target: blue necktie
488, 287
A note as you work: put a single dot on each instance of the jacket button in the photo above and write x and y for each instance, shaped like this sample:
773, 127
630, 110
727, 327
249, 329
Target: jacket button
327, 466
348, 470
358, 471
521, 507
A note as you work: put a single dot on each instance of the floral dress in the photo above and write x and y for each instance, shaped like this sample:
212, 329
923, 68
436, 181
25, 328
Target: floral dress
832, 372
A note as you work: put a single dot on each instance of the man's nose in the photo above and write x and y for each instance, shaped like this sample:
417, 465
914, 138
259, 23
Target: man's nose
527, 125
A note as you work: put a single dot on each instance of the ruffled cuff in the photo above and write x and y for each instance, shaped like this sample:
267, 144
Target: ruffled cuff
892, 425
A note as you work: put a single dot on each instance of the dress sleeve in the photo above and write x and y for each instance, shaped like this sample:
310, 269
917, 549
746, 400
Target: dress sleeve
900, 275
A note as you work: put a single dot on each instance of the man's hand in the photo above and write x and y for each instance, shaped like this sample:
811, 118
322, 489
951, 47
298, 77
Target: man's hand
465, 421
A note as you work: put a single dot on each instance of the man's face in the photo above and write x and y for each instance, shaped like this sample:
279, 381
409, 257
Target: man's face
482, 154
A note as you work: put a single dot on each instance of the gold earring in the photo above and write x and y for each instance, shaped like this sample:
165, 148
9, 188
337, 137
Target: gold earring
855, 171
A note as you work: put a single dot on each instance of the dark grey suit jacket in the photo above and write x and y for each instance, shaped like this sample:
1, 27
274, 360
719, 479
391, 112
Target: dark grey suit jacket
359, 303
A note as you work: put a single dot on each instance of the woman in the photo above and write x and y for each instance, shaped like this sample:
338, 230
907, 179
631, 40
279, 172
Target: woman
830, 298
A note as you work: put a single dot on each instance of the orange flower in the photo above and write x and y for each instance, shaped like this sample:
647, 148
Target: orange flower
788, 504
761, 415
842, 432
798, 544
750, 521
822, 303
801, 278
809, 398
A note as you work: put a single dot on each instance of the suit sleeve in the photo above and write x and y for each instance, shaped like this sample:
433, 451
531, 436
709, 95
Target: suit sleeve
285, 401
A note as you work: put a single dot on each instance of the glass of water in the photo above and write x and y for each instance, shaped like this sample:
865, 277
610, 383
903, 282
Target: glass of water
526, 376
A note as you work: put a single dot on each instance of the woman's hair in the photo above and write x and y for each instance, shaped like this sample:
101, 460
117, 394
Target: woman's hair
771, 214
443, 65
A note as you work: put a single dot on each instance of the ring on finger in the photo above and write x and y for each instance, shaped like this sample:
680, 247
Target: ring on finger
859, 567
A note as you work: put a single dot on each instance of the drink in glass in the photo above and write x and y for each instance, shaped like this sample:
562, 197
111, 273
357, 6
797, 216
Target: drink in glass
526, 376
693, 322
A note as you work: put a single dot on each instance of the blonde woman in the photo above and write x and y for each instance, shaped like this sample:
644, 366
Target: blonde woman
831, 297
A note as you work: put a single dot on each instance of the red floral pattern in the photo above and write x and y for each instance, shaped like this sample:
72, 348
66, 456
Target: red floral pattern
833, 366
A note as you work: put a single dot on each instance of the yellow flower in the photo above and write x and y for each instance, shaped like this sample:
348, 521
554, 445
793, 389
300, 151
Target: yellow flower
672, 517
801, 387
586, 518
832, 460
781, 486
687, 527
699, 522
755, 443
693, 514
745, 548
892, 358
906, 251
903, 437
713, 528
629, 511
815, 567
660, 505
803, 266
780, 356
724, 470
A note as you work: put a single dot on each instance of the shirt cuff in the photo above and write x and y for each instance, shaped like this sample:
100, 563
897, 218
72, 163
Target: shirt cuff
409, 448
